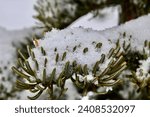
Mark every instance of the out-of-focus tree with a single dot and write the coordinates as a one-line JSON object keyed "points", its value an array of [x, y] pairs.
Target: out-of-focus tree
{"points": [[60, 14]]}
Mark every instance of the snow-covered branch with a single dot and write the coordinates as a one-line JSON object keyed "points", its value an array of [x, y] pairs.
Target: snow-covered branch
{"points": [[92, 60]]}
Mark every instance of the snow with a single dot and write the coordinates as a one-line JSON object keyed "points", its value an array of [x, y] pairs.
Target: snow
{"points": [[143, 72], [8, 53], [136, 31], [14, 15], [107, 18], [81, 38], [65, 41], [87, 97], [110, 21]]}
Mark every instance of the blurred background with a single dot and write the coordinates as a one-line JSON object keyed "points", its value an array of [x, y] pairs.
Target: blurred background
{"points": [[17, 14]]}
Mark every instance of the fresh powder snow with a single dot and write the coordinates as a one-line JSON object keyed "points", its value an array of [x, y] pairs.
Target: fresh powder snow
{"points": [[79, 45]]}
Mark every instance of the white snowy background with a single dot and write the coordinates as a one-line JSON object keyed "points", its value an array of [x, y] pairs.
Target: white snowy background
{"points": [[16, 20], [15, 24]]}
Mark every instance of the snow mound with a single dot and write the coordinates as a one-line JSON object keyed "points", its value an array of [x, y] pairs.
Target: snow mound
{"points": [[59, 49], [58, 42], [80, 45], [108, 18], [136, 32]]}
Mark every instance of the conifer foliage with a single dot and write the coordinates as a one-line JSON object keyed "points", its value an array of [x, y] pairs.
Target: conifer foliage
{"points": [[60, 14]]}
